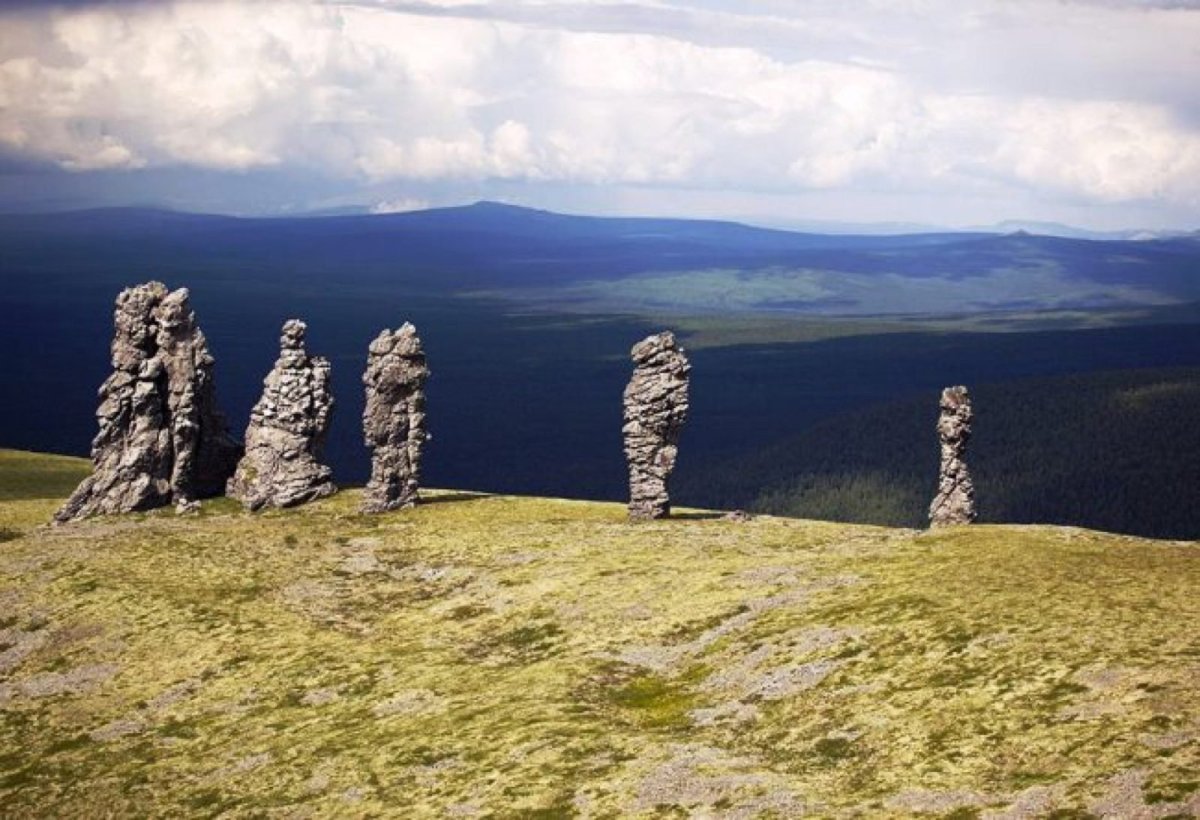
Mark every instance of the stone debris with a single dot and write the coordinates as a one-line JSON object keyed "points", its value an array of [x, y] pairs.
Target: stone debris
{"points": [[1170, 740], [464, 810], [702, 780], [785, 681], [1035, 801], [162, 438], [318, 782], [394, 419], [734, 713], [142, 719], [955, 499], [284, 441], [239, 767], [320, 697], [17, 646], [1126, 799], [661, 658], [75, 681], [749, 677], [122, 727], [362, 563], [656, 407], [927, 801], [354, 794], [410, 702]]}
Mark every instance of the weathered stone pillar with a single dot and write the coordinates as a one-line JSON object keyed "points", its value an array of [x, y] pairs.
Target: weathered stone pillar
{"points": [[162, 437], [656, 407], [286, 436], [955, 499], [205, 452], [394, 419]]}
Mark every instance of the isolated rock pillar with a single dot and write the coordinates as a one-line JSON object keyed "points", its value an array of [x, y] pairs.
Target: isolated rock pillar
{"points": [[162, 437], [955, 499], [286, 435], [394, 418], [656, 407]]}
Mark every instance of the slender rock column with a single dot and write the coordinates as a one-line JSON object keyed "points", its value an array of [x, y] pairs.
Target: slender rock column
{"points": [[162, 438], [286, 436], [656, 408], [205, 452], [955, 499], [394, 419]]}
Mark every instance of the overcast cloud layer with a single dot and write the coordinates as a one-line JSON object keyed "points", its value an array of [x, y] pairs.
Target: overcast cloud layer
{"points": [[919, 110]]}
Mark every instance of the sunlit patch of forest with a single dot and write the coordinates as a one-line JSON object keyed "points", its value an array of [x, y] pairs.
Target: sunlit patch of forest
{"points": [[1116, 450]]}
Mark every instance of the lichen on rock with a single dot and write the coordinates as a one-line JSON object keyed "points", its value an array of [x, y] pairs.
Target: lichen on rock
{"points": [[286, 435]]}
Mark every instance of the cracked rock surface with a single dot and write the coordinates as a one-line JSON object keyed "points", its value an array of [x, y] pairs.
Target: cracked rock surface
{"points": [[955, 499], [656, 408], [286, 435], [162, 437], [394, 419]]}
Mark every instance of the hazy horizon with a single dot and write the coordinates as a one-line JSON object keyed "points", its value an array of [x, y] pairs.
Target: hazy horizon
{"points": [[814, 226]]}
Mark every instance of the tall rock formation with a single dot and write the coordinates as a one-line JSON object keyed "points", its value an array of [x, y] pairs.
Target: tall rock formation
{"points": [[162, 437], [284, 441], [656, 407], [394, 419], [955, 499]]}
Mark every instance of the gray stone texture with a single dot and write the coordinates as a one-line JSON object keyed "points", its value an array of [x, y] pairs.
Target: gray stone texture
{"points": [[286, 435], [162, 438], [955, 499], [656, 408], [394, 419]]}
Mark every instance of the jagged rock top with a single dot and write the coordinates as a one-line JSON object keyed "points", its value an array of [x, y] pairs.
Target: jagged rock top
{"points": [[954, 424], [955, 499], [286, 435], [661, 349], [403, 342], [162, 437], [394, 418], [655, 409]]}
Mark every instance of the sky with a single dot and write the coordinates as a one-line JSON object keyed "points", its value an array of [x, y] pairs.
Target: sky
{"points": [[933, 112]]}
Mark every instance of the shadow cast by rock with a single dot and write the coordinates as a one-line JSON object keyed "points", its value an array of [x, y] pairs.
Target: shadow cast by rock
{"points": [[447, 498]]}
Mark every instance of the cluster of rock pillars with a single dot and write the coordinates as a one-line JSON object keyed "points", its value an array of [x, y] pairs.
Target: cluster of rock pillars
{"points": [[163, 440]]}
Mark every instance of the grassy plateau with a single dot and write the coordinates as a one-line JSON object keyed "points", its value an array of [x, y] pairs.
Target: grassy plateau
{"points": [[494, 656]]}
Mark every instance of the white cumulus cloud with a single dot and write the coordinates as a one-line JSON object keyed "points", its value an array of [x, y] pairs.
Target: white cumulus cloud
{"points": [[399, 206], [1081, 101]]}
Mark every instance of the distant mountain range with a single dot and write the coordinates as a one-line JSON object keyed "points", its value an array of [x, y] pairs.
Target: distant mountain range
{"points": [[1071, 232], [646, 265], [1040, 228]]}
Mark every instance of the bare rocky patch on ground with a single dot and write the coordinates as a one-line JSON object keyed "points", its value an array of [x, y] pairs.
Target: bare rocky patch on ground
{"points": [[704, 780], [75, 681]]}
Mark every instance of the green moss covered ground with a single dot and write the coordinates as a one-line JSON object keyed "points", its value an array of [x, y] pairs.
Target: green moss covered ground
{"points": [[520, 657]]}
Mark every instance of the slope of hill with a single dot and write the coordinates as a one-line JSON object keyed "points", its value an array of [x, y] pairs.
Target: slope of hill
{"points": [[637, 264], [1116, 450], [500, 656]]}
